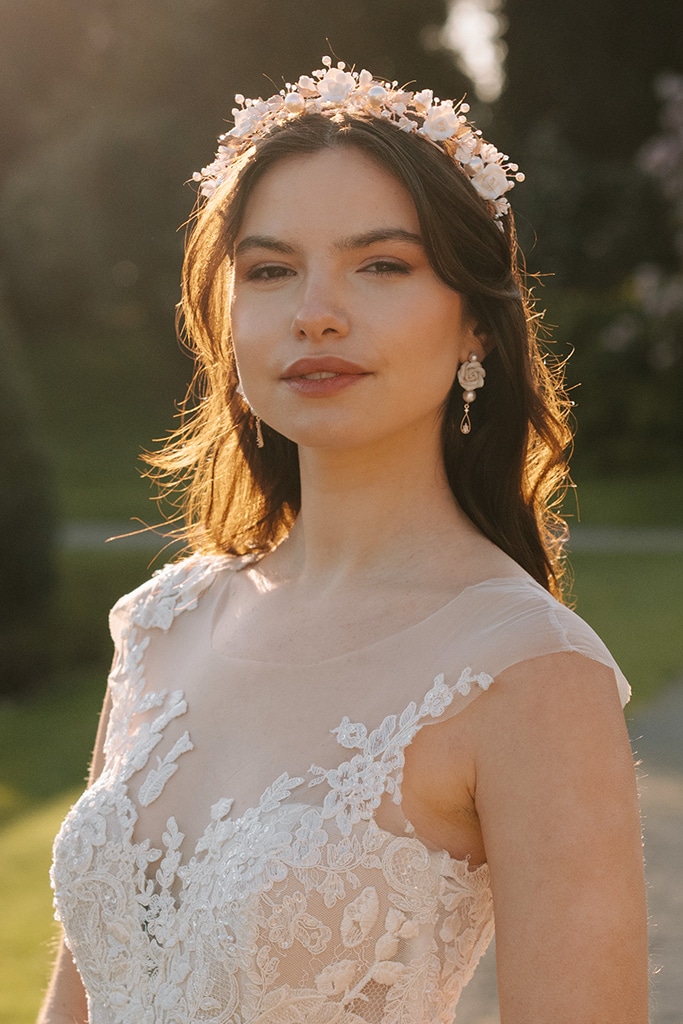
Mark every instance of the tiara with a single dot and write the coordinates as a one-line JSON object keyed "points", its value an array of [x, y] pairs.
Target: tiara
{"points": [[334, 90]]}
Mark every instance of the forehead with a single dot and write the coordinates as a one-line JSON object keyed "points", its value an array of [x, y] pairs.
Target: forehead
{"points": [[337, 191]]}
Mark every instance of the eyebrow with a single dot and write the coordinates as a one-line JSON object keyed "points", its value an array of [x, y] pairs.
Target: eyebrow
{"points": [[378, 235], [347, 244], [264, 242]]}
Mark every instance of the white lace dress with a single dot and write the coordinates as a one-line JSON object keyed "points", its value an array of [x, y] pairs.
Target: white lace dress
{"points": [[291, 890]]}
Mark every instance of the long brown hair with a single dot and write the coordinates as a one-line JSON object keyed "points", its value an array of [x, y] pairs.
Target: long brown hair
{"points": [[506, 474]]}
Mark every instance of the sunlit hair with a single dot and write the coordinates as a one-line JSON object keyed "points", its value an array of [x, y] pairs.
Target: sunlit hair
{"points": [[506, 474]]}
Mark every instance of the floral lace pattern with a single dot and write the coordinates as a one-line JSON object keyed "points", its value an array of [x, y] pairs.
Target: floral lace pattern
{"points": [[288, 914], [357, 786]]}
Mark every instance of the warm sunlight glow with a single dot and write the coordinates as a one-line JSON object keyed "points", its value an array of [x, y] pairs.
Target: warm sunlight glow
{"points": [[473, 32]]}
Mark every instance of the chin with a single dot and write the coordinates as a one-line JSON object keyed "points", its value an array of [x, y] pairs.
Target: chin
{"points": [[327, 432]]}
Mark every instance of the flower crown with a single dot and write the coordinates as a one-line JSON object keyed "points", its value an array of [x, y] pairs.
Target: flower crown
{"points": [[334, 90]]}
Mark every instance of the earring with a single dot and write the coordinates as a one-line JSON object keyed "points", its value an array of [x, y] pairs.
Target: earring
{"points": [[259, 432], [470, 376]]}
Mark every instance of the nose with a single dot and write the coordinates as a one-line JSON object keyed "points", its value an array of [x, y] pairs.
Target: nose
{"points": [[319, 315]]}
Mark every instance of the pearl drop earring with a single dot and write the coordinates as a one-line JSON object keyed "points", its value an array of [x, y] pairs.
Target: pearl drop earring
{"points": [[470, 376]]}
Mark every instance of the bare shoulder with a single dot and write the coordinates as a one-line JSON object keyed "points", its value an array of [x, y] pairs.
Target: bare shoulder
{"points": [[549, 730], [562, 689], [556, 797]]}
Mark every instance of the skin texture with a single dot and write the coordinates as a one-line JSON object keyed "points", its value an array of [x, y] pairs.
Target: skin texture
{"points": [[352, 280], [536, 775]]}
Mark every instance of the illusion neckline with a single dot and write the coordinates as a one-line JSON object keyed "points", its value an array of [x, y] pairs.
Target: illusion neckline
{"points": [[374, 645]]}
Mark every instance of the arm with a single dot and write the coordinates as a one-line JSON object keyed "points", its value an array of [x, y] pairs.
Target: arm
{"points": [[557, 801], [65, 1001]]}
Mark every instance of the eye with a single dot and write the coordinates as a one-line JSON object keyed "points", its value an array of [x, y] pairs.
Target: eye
{"points": [[268, 272], [383, 268]]}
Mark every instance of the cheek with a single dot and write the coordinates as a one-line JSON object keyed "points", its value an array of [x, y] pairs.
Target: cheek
{"points": [[243, 321], [433, 343], [250, 332]]}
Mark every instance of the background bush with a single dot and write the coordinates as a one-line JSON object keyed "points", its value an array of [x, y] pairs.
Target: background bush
{"points": [[27, 528]]}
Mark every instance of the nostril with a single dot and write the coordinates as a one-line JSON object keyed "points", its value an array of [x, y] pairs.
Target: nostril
{"points": [[324, 325]]}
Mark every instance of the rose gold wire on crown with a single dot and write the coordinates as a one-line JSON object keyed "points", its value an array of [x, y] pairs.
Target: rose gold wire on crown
{"points": [[331, 90]]}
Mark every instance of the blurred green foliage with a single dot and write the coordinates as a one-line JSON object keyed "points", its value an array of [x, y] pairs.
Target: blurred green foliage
{"points": [[593, 111], [109, 107], [27, 527], [627, 391], [106, 110]]}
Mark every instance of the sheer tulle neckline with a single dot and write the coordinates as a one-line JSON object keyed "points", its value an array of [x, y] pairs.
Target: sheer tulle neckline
{"points": [[373, 646]]}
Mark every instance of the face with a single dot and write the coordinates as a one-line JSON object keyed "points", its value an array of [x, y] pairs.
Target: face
{"points": [[343, 333]]}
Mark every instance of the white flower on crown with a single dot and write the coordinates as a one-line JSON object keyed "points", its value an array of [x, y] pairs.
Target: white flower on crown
{"points": [[336, 85], [332, 90], [422, 101], [245, 122], [440, 123], [488, 153], [466, 147], [405, 124], [491, 181], [307, 85]]}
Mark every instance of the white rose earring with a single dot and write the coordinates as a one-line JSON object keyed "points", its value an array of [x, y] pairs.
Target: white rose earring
{"points": [[470, 376], [259, 432]]}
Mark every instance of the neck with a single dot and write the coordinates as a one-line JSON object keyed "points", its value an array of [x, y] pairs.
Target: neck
{"points": [[373, 512]]}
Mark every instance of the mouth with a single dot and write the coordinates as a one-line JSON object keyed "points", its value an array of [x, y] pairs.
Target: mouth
{"points": [[323, 376], [322, 368], [320, 375]]}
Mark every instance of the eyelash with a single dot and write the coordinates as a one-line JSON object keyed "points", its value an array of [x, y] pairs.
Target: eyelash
{"points": [[275, 272], [390, 267], [267, 272]]}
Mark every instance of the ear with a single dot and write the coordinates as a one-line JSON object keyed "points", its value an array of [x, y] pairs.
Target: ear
{"points": [[475, 341]]}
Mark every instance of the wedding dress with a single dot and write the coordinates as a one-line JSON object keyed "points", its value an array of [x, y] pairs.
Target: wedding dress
{"points": [[271, 877]]}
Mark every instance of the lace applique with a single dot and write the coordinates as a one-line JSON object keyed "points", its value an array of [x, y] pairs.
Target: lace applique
{"points": [[357, 786], [173, 589], [290, 913], [159, 776]]}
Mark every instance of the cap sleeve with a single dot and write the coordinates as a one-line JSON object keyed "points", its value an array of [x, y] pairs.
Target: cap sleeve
{"points": [[504, 622], [134, 618], [171, 590]]}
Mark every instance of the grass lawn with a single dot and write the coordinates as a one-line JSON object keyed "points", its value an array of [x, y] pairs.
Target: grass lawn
{"points": [[628, 500], [635, 602], [27, 928]]}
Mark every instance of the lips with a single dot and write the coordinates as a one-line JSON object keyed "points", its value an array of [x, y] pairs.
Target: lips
{"points": [[323, 376], [322, 366]]}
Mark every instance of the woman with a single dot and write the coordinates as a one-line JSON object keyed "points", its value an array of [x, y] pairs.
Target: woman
{"points": [[355, 724]]}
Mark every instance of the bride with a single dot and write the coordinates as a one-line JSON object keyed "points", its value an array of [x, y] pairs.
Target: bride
{"points": [[357, 724]]}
